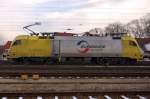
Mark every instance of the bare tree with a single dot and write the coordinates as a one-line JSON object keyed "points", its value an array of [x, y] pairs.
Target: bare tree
{"points": [[115, 28], [140, 26], [147, 26], [136, 27]]}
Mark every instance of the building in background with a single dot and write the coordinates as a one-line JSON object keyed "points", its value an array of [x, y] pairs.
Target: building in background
{"points": [[3, 50], [6, 47]]}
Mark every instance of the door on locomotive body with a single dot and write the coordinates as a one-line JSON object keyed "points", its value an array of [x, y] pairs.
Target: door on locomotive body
{"points": [[56, 48]]}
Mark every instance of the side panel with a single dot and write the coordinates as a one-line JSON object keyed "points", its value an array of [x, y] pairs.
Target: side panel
{"points": [[89, 47], [39, 48]]}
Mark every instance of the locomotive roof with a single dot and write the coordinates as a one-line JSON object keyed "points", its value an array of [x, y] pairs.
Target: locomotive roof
{"points": [[82, 37]]}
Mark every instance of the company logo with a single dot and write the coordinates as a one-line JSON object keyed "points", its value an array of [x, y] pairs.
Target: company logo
{"points": [[83, 46]]}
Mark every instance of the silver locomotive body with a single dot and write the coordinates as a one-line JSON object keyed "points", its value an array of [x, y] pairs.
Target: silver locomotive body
{"points": [[85, 46]]}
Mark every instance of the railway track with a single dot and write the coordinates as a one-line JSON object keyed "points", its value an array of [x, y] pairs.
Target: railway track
{"points": [[77, 71], [125, 95], [75, 82], [75, 88], [140, 63]]}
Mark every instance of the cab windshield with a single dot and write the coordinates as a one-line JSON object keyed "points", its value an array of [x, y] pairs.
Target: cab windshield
{"points": [[17, 42], [132, 43]]}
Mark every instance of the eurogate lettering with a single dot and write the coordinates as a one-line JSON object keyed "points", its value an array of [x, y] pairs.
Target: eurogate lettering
{"points": [[84, 47]]}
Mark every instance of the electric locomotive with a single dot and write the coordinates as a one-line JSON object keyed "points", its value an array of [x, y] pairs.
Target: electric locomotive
{"points": [[63, 47], [59, 49]]}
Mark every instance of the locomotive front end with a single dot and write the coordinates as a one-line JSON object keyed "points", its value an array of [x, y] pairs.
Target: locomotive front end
{"points": [[30, 48], [131, 48]]}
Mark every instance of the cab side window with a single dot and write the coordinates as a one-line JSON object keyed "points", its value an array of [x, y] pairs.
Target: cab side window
{"points": [[132, 43], [17, 42]]}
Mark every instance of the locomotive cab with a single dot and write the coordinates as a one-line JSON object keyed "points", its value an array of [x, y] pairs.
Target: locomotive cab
{"points": [[16, 47], [131, 48], [30, 48]]}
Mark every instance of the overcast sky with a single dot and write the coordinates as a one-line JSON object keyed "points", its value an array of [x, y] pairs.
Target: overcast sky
{"points": [[58, 15]]}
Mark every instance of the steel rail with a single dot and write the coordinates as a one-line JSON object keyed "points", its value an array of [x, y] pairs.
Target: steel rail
{"points": [[80, 88], [140, 63], [66, 70]]}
